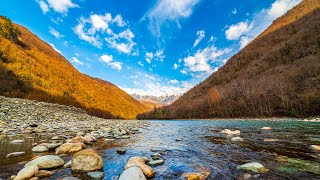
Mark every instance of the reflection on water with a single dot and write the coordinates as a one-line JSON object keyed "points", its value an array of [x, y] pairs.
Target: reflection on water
{"points": [[203, 149]]}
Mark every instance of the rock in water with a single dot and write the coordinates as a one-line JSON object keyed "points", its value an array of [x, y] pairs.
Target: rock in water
{"points": [[67, 165], [26, 173], [39, 148], [194, 176], [266, 128], [315, 147], [121, 151], [156, 162], [17, 141], [133, 173], [43, 173], [96, 175], [236, 139], [86, 160], [69, 148], [15, 154], [70, 178], [140, 162], [254, 167], [230, 132], [46, 162]]}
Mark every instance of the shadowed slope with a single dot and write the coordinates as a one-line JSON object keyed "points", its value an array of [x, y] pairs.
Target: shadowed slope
{"points": [[277, 74]]}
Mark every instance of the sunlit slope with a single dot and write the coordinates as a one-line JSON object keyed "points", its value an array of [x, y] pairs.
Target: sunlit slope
{"points": [[30, 68], [277, 74]]}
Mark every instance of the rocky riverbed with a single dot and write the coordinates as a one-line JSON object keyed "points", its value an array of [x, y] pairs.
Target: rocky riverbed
{"points": [[48, 141]]}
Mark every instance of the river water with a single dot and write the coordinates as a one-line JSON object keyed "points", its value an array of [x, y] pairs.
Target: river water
{"points": [[202, 148]]}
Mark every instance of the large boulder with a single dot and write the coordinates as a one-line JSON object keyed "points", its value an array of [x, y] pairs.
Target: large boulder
{"points": [[141, 163], [133, 173], [46, 162], [86, 160], [26, 173], [69, 148]]}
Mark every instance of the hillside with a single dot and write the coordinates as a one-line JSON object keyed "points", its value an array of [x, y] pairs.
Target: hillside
{"points": [[32, 69], [277, 74]]}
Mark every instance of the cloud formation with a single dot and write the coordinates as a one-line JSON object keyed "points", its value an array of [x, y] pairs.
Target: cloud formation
{"points": [[60, 6], [201, 35], [108, 59]]}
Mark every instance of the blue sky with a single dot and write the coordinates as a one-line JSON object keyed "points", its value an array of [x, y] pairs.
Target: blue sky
{"points": [[148, 46]]}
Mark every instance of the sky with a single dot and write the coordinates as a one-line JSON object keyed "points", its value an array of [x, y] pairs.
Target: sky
{"points": [[148, 47]]}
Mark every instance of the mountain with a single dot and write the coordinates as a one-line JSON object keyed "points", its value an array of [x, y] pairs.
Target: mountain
{"points": [[163, 100], [32, 69], [277, 74]]}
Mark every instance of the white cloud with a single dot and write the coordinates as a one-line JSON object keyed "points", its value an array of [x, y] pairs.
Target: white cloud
{"points": [[244, 41], [167, 11], [76, 61], [235, 31], [201, 35], [212, 39], [44, 6], [245, 31], [200, 61], [92, 28], [234, 11], [140, 63], [52, 45], [174, 81], [108, 59], [158, 56], [61, 6], [175, 66], [55, 33]]}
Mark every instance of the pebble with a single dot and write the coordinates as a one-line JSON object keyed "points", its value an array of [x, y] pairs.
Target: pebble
{"points": [[15, 154], [96, 175], [67, 165], [39, 148], [156, 162], [43, 173], [17, 141], [315, 147], [266, 128], [121, 151], [236, 139], [254, 167], [230, 132]]}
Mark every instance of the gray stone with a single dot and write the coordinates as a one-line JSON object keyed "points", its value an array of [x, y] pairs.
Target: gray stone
{"points": [[15, 154], [46, 162], [95, 175], [156, 162], [132, 173]]}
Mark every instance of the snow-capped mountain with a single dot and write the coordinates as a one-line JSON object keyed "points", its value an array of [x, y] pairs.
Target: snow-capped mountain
{"points": [[163, 100]]}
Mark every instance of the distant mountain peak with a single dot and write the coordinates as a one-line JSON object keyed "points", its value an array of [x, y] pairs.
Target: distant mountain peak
{"points": [[165, 100]]}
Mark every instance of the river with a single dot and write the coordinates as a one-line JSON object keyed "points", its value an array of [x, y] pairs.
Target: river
{"points": [[198, 146]]}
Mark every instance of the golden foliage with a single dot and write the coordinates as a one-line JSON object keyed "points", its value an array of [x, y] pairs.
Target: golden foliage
{"points": [[35, 71]]}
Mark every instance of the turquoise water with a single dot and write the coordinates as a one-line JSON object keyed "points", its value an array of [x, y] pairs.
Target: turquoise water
{"points": [[204, 149]]}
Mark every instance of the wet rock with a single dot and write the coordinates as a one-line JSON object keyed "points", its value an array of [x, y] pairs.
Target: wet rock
{"points": [[77, 139], [121, 151], [39, 148], [194, 176], [43, 173], [178, 139], [51, 146], [270, 140], [17, 141], [156, 156], [230, 132], [96, 175], [34, 178], [315, 147], [156, 162], [69, 148], [254, 167], [158, 150], [140, 162], [67, 165], [70, 178], [236, 139], [132, 173], [26, 173], [15, 154], [46, 162], [86, 160], [266, 128]]}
